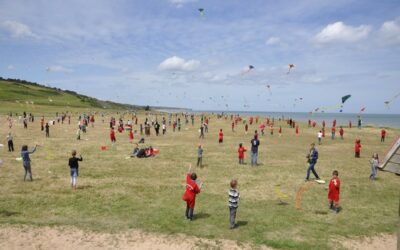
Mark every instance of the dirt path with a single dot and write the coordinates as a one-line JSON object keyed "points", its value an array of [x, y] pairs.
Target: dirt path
{"points": [[28, 237], [25, 237]]}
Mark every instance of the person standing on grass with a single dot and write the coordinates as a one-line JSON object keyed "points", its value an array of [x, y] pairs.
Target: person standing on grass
{"points": [[233, 203], [201, 131], [241, 151], [280, 131], [112, 136], [47, 128], [199, 156], [74, 166], [374, 166], [10, 142], [334, 191], [333, 132], [357, 148], [341, 132], [164, 128], [220, 136], [254, 150], [192, 189], [312, 159], [383, 135], [130, 136], [319, 137], [26, 161]]}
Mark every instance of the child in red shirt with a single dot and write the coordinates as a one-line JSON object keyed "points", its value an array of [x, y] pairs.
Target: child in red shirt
{"points": [[334, 191], [130, 136], [112, 135], [192, 189], [383, 135], [357, 148], [241, 151], [220, 136], [341, 132]]}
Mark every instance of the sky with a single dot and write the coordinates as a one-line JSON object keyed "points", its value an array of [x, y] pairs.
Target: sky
{"points": [[168, 53]]}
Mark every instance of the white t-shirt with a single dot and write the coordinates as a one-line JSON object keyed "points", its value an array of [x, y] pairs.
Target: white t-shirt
{"points": [[319, 135]]}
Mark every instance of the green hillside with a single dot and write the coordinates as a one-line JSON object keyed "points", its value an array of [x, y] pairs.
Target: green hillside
{"points": [[17, 94]]}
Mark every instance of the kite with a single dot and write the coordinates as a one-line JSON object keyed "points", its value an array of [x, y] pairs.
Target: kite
{"points": [[344, 98], [201, 11], [249, 68], [387, 103], [362, 110], [290, 67], [269, 89]]}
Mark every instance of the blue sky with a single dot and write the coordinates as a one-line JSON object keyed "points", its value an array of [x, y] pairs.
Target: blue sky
{"points": [[165, 53]]}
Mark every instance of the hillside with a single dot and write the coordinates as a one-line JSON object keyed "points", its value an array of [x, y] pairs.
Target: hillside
{"points": [[20, 93]]}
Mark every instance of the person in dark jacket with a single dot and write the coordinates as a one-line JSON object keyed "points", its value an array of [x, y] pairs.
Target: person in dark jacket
{"points": [[74, 166], [312, 160]]}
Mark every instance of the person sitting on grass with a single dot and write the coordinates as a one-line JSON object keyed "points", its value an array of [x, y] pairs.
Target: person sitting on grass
{"points": [[26, 160], [334, 191], [74, 166], [192, 189]]}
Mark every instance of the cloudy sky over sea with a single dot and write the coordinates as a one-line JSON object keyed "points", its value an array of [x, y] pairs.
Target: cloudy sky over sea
{"points": [[229, 55]]}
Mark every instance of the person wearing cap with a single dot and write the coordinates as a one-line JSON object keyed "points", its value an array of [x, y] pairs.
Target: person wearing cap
{"points": [[312, 160]]}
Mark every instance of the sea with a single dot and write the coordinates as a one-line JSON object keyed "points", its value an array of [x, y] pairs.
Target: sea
{"points": [[342, 119]]}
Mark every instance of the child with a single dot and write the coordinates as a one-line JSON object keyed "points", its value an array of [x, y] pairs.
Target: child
{"points": [[374, 166], [26, 161], [319, 137], [199, 156], [341, 132], [47, 130], [333, 131], [10, 143], [112, 136], [241, 151], [233, 201], [220, 136], [357, 148], [130, 136], [74, 166], [192, 189], [280, 131], [78, 134], [383, 135], [334, 191]]}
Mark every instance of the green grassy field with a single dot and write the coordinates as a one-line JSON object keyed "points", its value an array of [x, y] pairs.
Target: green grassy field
{"points": [[116, 194]]}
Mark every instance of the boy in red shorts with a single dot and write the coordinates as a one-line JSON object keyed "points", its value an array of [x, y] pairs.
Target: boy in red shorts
{"points": [[334, 191]]}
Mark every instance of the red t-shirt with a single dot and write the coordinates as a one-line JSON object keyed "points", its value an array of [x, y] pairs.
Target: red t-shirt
{"points": [[357, 148], [241, 151], [334, 189], [220, 135], [191, 190]]}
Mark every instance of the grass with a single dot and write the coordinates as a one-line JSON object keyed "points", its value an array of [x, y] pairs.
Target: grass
{"points": [[117, 194]]}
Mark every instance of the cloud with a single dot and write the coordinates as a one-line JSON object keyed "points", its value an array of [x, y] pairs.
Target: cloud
{"points": [[273, 40], [10, 67], [390, 31], [180, 3], [59, 69], [180, 64], [340, 32], [17, 30]]}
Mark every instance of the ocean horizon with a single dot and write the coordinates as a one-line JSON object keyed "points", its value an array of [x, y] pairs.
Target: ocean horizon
{"points": [[342, 119]]}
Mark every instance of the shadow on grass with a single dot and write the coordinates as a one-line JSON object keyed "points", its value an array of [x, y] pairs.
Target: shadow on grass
{"points": [[201, 215], [84, 187], [242, 223], [6, 213]]}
